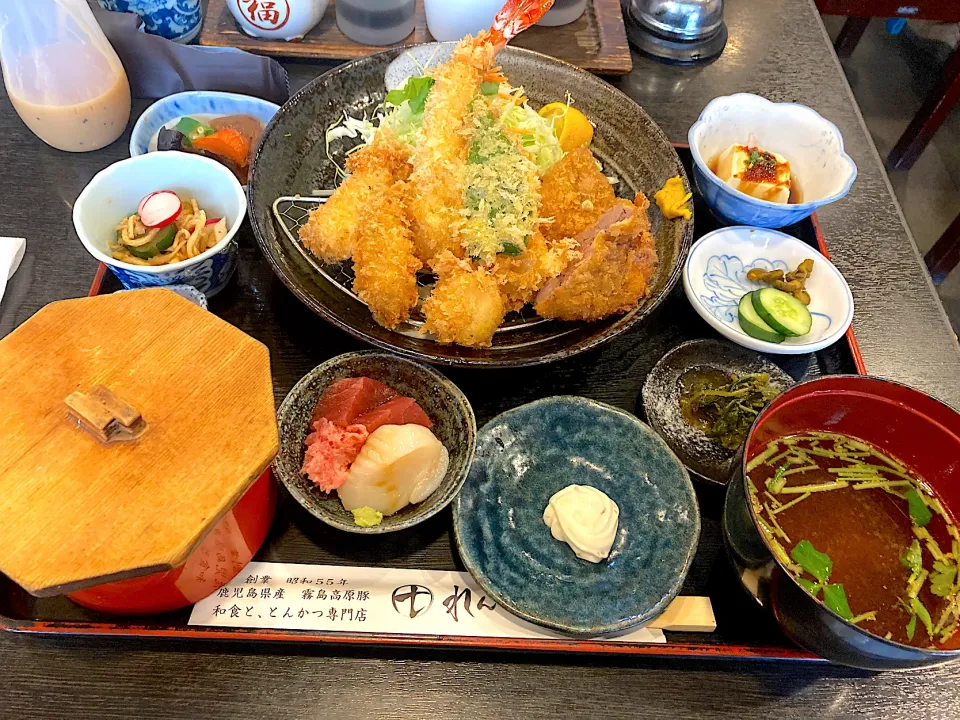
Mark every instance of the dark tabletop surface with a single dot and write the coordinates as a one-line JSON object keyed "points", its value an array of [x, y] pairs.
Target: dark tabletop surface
{"points": [[777, 49]]}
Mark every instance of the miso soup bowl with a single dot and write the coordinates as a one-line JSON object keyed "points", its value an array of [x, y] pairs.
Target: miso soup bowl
{"points": [[910, 426], [811, 143]]}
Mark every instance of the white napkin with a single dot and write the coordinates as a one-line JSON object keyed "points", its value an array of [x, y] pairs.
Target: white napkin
{"points": [[11, 253]]}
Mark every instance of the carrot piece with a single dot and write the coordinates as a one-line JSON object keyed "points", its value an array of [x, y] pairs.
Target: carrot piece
{"points": [[227, 143]]}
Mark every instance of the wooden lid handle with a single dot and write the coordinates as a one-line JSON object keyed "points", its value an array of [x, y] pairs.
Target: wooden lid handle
{"points": [[105, 416]]}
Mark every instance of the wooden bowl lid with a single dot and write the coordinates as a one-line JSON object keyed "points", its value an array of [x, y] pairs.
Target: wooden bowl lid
{"points": [[75, 512]]}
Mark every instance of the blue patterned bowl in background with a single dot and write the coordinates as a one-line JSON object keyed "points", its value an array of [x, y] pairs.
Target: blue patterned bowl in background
{"points": [[115, 192], [527, 454], [811, 143], [200, 104], [177, 20], [715, 278]]}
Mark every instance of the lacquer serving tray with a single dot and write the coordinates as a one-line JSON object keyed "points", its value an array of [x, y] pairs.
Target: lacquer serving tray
{"points": [[258, 303], [597, 41]]}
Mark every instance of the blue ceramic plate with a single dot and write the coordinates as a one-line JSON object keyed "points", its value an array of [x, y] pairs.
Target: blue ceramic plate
{"points": [[202, 104], [526, 455]]}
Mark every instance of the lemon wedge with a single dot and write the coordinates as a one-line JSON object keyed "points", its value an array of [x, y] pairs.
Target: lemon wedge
{"points": [[571, 126]]}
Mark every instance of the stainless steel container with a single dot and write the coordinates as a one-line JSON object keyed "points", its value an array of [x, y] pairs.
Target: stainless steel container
{"points": [[681, 31]]}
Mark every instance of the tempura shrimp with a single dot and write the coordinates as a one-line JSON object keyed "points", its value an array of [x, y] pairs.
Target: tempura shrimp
{"points": [[444, 140]]}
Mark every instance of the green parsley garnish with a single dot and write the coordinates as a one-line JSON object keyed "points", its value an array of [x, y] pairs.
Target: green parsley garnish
{"points": [[913, 557], [810, 586], [415, 91], [835, 598], [941, 579], [919, 512], [921, 612], [812, 560]]}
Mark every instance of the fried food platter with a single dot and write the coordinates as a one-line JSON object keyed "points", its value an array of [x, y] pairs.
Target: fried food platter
{"points": [[292, 161]]}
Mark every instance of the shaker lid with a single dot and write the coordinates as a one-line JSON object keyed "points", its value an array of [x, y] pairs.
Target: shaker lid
{"points": [[131, 424]]}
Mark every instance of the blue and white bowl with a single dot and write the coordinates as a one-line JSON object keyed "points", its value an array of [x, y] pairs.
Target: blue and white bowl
{"points": [[812, 144], [715, 278], [199, 104], [115, 192]]}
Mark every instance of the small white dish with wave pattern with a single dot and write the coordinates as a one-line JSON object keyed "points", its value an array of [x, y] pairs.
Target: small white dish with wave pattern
{"points": [[715, 278]]}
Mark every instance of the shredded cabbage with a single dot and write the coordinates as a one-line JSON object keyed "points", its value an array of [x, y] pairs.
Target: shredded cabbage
{"points": [[537, 135]]}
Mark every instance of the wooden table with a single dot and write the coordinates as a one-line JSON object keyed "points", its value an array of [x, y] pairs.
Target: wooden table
{"points": [[778, 49]]}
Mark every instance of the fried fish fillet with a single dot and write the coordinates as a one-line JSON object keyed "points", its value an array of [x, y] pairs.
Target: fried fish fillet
{"points": [[619, 258], [465, 307], [384, 266], [442, 144], [574, 193], [330, 231]]}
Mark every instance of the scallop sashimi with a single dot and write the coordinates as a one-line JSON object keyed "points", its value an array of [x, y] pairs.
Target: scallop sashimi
{"points": [[398, 465]]}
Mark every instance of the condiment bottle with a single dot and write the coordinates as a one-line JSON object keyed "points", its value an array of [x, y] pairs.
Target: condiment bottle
{"points": [[62, 75], [376, 22]]}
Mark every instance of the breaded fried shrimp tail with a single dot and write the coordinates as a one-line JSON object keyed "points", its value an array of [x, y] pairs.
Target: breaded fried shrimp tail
{"points": [[385, 267], [442, 146], [329, 233]]}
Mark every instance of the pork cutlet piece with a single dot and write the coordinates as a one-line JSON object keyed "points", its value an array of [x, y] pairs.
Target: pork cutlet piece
{"points": [[574, 193], [618, 259]]}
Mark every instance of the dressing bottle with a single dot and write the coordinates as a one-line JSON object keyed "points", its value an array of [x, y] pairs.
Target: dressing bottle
{"points": [[62, 75]]}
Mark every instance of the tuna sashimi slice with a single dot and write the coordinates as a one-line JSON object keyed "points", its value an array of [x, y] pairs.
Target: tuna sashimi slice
{"points": [[397, 411], [330, 451], [346, 399]]}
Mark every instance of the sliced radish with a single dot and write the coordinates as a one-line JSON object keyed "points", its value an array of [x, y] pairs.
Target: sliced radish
{"points": [[145, 198], [159, 209], [212, 221]]}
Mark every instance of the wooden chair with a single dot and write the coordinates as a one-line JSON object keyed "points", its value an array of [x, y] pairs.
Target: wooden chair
{"points": [[945, 254]]}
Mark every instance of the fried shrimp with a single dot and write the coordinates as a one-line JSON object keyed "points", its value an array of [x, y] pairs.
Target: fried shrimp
{"points": [[330, 232], [465, 307], [574, 194], [385, 268], [442, 144]]}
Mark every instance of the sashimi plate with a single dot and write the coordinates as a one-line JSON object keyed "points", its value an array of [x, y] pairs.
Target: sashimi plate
{"points": [[453, 424], [292, 160]]}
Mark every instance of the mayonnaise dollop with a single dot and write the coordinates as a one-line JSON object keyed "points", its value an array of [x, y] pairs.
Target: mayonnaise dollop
{"points": [[585, 518]]}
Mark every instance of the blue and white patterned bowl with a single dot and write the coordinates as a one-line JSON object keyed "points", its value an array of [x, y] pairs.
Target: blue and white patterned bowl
{"points": [[177, 20], [715, 278], [115, 192], [203, 103], [811, 143]]}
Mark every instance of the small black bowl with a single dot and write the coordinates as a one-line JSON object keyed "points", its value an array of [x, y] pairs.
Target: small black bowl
{"points": [[453, 424], [703, 456]]}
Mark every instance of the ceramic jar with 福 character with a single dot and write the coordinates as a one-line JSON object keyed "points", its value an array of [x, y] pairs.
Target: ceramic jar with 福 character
{"points": [[277, 19]]}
